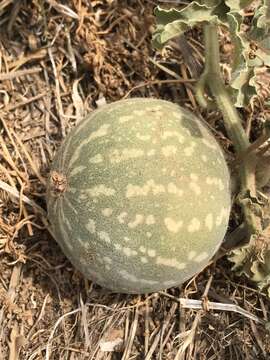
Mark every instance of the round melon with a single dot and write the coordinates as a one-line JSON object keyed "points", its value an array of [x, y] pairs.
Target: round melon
{"points": [[139, 195]]}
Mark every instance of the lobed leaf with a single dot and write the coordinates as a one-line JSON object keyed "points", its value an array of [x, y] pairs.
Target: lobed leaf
{"points": [[173, 22], [251, 49]]}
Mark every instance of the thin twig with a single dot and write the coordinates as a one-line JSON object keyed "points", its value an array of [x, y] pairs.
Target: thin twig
{"points": [[189, 339], [158, 82], [132, 334], [199, 305], [13, 15], [25, 102], [11, 294], [14, 192], [58, 322], [19, 73]]}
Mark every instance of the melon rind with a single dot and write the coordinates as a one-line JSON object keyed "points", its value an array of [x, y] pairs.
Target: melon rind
{"points": [[147, 200]]}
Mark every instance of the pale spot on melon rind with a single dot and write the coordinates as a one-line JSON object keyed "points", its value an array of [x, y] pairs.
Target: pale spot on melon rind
{"points": [[138, 220], [139, 112], [224, 214], [204, 158], [151, 252], [177, 114], [209, 221], [121, 217], [76, 171], [169, 134], [201, 257], [144, 190], [100, 132], [127, 251], [107, 212], [130, 277], [169, 150], [143, 137], [195, 188], [91, 226], [103, 235], [194, 177], [173, 189], [143, 259], [97, 159], [117, 246], [151, 152], [173, 225], [189, 150], [117, 156], [124, 118], [142, 249], [215, 181], [192, 254], [194, 225], [170, 262], [150, 220], [100, 190], [221, 185]]}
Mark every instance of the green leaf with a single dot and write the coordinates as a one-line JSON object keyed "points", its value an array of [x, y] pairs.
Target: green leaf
{"points": [[173, 22], [251, 50], [242, 73], [260, 34]]}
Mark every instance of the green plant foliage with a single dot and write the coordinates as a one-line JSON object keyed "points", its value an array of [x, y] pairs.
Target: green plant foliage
{"points": [[173, 22], [253, 260], [251, 49]]}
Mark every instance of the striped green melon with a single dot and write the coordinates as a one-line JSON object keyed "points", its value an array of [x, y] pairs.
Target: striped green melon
{"points": [[138, 196]]}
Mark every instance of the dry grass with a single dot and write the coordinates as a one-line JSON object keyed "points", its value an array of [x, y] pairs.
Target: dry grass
{"points": [[58, 62]]}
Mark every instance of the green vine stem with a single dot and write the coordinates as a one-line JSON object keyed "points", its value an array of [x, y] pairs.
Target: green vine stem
{"points": [[212, 79]]}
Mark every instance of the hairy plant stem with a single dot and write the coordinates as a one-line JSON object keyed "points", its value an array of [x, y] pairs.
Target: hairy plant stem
{"points": [[212, 79]]}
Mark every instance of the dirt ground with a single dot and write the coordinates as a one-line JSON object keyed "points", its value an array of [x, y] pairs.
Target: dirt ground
{"points": [[59, 61]]}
